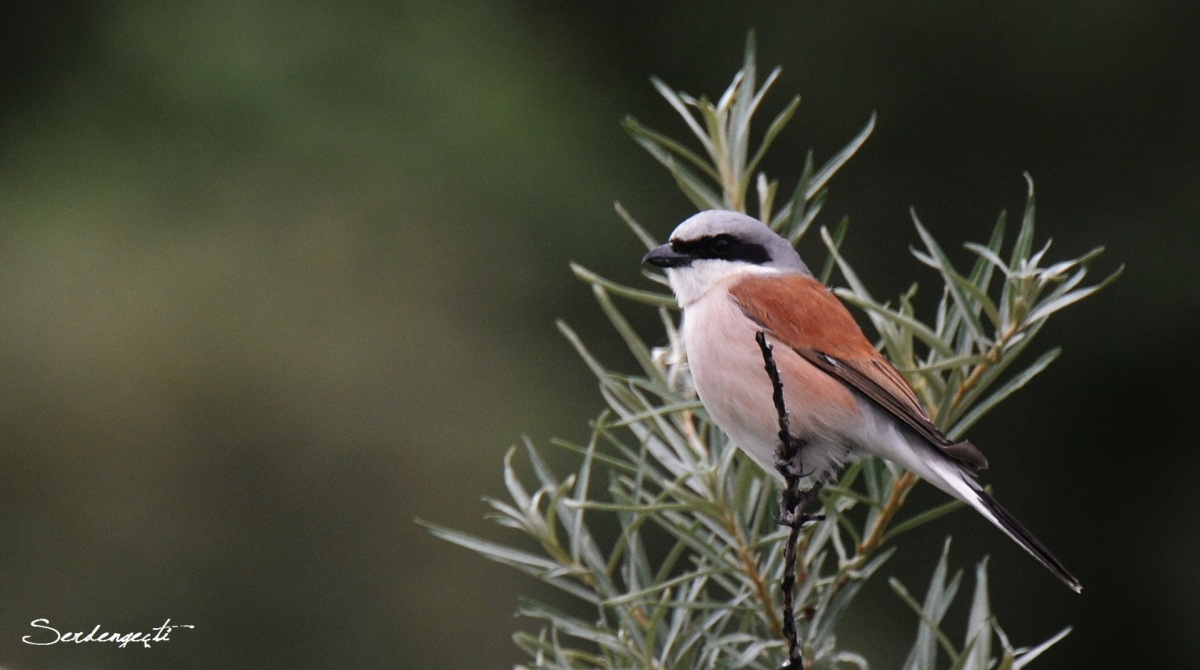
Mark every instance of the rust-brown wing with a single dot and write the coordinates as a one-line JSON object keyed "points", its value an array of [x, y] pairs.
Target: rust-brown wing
{"points": [[805, 315]]}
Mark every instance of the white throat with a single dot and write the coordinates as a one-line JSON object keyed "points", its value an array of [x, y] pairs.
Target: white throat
{"points": [[691, 283]]}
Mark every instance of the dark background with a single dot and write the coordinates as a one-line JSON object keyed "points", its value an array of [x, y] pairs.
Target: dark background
{"points": [[276, 279]]}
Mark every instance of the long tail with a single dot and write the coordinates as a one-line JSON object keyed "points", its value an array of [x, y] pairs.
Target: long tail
{"points": [[1013, 528], [950, 477]]}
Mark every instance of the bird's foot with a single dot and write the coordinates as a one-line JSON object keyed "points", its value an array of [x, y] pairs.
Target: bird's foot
{"points": [[793, 506]]}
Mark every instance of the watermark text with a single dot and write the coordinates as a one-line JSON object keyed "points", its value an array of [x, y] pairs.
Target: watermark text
{"points": [[47, 635]]}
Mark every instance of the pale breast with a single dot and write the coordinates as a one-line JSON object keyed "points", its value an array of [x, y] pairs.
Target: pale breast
{"points": [[730, 376]]}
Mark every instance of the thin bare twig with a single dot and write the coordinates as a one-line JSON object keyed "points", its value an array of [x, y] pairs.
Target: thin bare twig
{"points": [[793, 503]]}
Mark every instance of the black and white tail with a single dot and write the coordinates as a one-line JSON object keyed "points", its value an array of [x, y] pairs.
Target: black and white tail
{"points": [[1013, 528], [951, 478]]}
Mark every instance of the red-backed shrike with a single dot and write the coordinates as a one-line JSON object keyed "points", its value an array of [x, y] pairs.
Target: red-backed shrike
{"points": [[734, 278]]}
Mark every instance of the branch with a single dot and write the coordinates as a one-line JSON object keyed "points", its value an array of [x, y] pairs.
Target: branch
{"points": [[792, 502]]}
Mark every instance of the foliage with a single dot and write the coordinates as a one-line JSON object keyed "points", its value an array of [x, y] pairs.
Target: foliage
{"points": [[667, 537]]}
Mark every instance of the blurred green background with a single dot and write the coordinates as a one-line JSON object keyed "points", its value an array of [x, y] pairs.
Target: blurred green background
{"points": [[276, 279]]}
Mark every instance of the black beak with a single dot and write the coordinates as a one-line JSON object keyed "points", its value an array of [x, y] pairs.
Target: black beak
{"points": [[666, 257]]}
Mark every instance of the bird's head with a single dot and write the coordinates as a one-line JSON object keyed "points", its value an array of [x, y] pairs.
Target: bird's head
{"points": [[715, 244]]}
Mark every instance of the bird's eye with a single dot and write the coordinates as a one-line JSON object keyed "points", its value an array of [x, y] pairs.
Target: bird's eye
{"points": [[721, 245]]}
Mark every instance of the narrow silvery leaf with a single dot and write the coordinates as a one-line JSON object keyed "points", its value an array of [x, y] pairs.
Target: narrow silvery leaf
{"points": [[938, 260], [805, 222], [594, 365], [492, 550], [839, 159], [515, 489], [981, 274], [647, 239], [580, 537], [1020, 380], [633, 341], [792, 222], [701, 194], [662, 146], [937, 600], [1023, 247], [766, 196], [840, 603], [1026, 657], [922, 518], [924, 333], [773, 130], [1045, 309], [979, 623], [966, 397], [832, 243], [677, 103]]}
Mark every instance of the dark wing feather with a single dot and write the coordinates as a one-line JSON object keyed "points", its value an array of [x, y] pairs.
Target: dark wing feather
{"points": [[806, 316]]}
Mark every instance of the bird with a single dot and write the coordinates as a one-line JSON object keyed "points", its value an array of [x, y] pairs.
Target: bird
{"points": [[734, 278]]}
